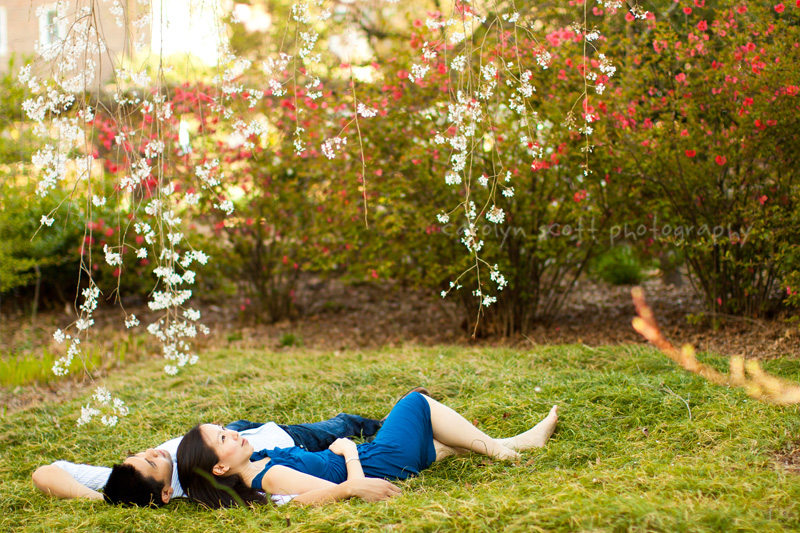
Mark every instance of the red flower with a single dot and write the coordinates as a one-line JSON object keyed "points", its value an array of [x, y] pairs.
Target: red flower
{"points": [[702, 25], [374, 274], [742, 9], [680, 78], [779, 8], [690, 153], [721, 160], [763, 200], [700, 3], [629, 17], [687, 10]]}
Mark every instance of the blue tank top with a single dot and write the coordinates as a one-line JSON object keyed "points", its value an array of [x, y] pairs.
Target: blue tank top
{"points": [[324, 465]]}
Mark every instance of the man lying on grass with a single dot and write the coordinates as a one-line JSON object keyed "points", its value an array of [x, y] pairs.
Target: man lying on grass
{"points": [[151, 477], [222, 468]]}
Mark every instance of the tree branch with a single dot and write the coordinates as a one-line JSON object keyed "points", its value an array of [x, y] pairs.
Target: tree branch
{"points": [[744, 374]]}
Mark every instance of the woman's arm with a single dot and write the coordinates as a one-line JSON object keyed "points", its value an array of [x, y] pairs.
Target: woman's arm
{"points": [[348, 450], [57, 482], [313, 490]]}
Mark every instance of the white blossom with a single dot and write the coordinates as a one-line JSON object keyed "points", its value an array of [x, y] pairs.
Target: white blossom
{"points": [[418, 72], [83, 324], [457, 37], [452, 178], [226, 206], [496, 215], [87, 413], [498, 278], [365, 111], [112, 258], [192, 314], [458, 63]]}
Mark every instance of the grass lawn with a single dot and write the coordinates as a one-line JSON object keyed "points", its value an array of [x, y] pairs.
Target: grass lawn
{"points": [[640, 446]]}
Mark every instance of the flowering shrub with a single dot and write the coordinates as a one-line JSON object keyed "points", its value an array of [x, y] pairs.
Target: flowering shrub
{"points": [[707, 131]]}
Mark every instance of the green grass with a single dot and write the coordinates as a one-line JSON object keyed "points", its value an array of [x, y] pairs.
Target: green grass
{"points": [[627, 455], [34, 363]]}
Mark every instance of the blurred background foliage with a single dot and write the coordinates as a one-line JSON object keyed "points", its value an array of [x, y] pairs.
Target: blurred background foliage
{"points": [[697, 128]]}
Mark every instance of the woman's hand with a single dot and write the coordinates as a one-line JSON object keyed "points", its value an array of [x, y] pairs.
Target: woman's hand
{"points": [[371, 490], [344, 447]]}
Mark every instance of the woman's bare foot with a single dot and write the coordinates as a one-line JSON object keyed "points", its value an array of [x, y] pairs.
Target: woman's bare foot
{"points": [[537, 436]]}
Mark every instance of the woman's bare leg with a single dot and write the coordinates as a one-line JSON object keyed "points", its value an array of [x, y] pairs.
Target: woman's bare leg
{"points": [[455, 435], [454, 431], [444, 451], [537, 436]]}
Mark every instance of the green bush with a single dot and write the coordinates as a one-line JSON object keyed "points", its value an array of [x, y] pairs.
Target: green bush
{"points": [[618, 266], [26, 254]]}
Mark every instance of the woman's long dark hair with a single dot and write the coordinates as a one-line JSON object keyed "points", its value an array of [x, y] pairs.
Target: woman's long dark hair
{"points": [[196, 460]]}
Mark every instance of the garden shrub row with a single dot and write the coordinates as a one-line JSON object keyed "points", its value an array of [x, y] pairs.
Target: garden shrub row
{"points": [[693, 155]]}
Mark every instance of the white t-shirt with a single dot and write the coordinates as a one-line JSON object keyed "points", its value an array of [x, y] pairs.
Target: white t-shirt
{"points": [[265, 437]]}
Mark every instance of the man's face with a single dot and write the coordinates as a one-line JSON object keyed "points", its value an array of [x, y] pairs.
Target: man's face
{"points": [[156, 464]]}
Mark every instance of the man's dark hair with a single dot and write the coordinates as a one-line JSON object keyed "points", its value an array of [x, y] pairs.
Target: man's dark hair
{"points": [[128, 486]]}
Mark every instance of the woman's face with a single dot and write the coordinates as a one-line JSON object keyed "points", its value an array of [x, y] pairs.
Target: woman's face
{"points": [[233, 450]]}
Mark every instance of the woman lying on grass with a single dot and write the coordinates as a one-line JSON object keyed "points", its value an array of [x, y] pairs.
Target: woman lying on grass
{"points": [[417, 432]]}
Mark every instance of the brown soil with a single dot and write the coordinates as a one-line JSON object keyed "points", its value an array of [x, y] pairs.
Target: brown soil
{"points": [[790, 459]]}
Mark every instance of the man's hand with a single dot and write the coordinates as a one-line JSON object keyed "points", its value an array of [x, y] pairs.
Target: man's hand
{"points": [[371, 489], [344, 447]]}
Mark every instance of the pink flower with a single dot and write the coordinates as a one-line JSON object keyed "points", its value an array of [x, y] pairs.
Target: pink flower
{"points": [[763, 200], [702, 25], [680, 78], [742, 9], [721, 160], [690, 153], [629, 17], [687, 10], [779, 8]]}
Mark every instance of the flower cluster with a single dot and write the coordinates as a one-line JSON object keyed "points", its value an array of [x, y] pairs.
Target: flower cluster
{"points": [[108, 408]]}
